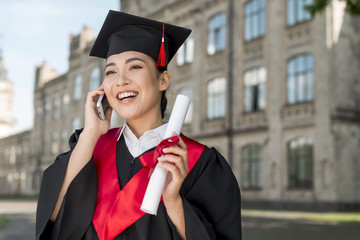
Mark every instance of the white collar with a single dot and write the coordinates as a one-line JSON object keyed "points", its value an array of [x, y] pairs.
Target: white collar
{"points": [[159, 130], [148, 140]]}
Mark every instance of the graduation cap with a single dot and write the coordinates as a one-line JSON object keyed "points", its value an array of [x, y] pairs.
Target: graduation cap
{"points": [[123, 32]]}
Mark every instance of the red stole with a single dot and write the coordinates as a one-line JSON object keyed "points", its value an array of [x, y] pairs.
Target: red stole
{"points": [[117, 209]]}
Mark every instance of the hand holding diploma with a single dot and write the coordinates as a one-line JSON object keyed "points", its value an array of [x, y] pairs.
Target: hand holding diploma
{"points": [[176, 164]]}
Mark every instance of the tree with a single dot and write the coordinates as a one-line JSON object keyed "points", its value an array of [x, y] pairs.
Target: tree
{"points": [[352, 6]]}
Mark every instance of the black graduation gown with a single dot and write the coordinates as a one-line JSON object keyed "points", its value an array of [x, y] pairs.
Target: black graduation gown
{"points": [[210, 193]]}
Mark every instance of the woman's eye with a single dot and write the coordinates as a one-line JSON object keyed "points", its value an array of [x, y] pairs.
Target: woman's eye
{"points": [[107, 73], [135, 67]]}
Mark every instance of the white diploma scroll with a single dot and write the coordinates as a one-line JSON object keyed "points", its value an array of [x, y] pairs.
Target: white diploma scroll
{"points": [[155, 187]]}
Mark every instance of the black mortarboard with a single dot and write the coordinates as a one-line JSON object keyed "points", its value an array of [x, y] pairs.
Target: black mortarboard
{"points": [[124, 32]]}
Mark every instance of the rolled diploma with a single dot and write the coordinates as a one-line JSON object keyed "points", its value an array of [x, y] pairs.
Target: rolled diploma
{"points": [[155, 187]]}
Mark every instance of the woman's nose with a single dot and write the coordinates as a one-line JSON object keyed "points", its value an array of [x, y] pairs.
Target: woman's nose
{"points": [[122, 80]]}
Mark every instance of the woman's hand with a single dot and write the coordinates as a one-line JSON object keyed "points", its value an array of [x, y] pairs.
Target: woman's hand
{"points": [[93, 125], [175, 161]]}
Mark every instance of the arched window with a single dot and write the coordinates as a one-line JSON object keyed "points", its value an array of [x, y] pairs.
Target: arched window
{"points": [[300, 79], [185, 54], [300, 159], [251, 166], [254, 22], [95, 78], [296, 12], [187, 92], [216, 101], [77, 87], [254, 89], [216, 34]]}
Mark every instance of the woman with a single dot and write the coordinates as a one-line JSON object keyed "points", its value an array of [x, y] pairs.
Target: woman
{"points": [[94, 190]]}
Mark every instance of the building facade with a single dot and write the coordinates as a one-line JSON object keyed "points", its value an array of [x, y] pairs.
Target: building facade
{"points": [[274, 89]]}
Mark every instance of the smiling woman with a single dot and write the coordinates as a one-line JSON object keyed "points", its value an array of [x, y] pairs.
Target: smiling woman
{"points": [[95, 190]]}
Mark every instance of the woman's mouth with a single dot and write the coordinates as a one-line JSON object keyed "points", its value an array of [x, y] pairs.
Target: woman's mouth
{"points": [[126, 95]]}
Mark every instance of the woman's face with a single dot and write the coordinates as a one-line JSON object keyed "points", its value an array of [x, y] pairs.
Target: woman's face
{"points": [[133, 86]]}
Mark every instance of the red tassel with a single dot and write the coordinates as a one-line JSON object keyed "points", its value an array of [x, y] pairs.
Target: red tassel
{"points": [[161, 61]]}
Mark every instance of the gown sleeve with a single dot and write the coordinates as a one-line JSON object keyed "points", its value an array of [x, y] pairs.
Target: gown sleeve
{"points": [[211, 199], [78, 205]]}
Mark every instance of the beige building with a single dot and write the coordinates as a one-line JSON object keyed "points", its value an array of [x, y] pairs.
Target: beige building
{"points": [[16, 168], [274, 89]]}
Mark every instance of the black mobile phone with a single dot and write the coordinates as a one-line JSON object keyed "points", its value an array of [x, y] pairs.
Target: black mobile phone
{"points": [[101, 105]]}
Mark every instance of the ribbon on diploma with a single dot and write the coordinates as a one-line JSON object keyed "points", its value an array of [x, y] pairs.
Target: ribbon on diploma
{"points": [[150, 159]]}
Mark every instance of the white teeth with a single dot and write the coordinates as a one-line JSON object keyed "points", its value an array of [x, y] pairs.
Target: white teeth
{"points": [[123, 95]]}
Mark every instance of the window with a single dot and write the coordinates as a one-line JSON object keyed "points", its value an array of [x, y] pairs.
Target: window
{"points": [[76, 123], [77, 87], [95, 78], [300, 79], [254, 89], [254, 19], [65, 103], [217, 34], [300, 155], [57, 108], [216, 98], [55, 143], [187, 92], [251, 166], [48, 110], [296, 12], [186, 52]]}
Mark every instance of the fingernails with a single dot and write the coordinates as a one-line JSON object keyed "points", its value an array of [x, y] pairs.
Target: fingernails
{"points": [[165, 150]]}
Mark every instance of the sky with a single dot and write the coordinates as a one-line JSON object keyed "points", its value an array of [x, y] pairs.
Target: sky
{"points": [[33, 31]]}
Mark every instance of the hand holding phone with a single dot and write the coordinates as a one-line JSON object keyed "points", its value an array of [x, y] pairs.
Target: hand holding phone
{"points": [[102, 105]]}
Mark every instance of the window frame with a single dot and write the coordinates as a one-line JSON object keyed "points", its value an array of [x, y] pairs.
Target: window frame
{"points": [[212, 96], [214, 46], [295, 8], [253, 160], [260, 86], [95, 83], [254, 19], [296, 160], [299, 76], [77, 92]]}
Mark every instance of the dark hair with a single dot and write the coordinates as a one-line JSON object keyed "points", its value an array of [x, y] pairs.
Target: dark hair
{"points": [[163, 102]]}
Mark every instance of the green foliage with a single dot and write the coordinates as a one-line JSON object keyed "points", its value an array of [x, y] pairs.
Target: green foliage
{"points": [[4, 222], [352, 6], [334, 217]]}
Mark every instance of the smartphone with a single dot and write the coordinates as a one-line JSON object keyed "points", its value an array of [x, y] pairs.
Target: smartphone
{"points": [[102, 104]]}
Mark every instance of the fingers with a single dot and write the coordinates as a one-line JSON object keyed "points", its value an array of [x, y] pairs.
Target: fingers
{"points": [[177, 155], [108, 113], [92, 96], [177, 161], [181, 142], [176, 175]]}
